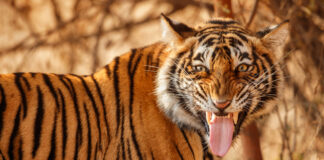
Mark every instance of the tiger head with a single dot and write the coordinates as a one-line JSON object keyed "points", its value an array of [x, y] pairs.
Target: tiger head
{"points": [[218, 77]]}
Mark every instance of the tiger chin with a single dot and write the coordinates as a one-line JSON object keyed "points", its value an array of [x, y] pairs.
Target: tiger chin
{"points": [[186, 97], [219, 77]]}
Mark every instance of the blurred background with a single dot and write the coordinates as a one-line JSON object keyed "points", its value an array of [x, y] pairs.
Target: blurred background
{"points": [[80, 36]]}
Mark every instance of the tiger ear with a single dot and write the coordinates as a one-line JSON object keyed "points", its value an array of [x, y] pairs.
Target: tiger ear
{"points": [[275, 36], [174, 32]]}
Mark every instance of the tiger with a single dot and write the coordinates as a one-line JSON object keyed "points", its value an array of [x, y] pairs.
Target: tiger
{"points": [[184, 97]]}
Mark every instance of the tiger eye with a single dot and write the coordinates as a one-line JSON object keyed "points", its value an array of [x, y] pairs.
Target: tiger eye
{"points": [[242, 68], [199, 68], [189, 68]]}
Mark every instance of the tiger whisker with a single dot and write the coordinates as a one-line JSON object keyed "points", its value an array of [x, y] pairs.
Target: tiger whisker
{"points": [[278, 63], [253, 85], [151, 66], [151, 71]]}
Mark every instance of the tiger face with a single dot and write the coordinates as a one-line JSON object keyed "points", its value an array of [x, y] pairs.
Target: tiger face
{"points": [[218, 77]]}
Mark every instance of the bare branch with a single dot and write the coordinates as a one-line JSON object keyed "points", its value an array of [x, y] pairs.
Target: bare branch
{"points": [[255, 7]]}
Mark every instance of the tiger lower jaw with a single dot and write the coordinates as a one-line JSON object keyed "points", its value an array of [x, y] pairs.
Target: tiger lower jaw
{"points": [[221, 131]]}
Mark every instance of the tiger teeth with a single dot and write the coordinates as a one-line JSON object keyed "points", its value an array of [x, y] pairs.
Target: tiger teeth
{"points": [[208, 117], [211, 117], [235, 117]]}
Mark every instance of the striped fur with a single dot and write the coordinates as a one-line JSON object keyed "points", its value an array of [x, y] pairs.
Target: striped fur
{"points": [[115, 113]]}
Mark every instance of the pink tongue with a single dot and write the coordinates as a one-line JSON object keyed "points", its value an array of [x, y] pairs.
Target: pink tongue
{"points": [[221, 133]]}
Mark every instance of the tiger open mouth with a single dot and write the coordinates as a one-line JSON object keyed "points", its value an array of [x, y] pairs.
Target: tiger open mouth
{"points": [[222, 129]]}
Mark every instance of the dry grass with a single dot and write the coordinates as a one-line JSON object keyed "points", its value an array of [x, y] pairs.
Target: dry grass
{"points": [[80, 36]]}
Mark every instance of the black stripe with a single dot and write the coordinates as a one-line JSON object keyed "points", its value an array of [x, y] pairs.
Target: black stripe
{"points": [[244, 55], [3, 106], [129, 150], [172, 84], [227, 51], [182, 103], [96, 151], [117, 93], [152, 155], [240, 97], [240, 120], [131, 73], [273, 91], [26, 82], [203, 142], [209, 42], [255, 58], [79, 138], [187, 141], [61, 77], [51, 88], [198, 94], [221, 27], [38, 121], [259, 105], [274, 75], [94, 105], [108, 70], [208, 155], [2, 156], [22, 93], [149, 61], [20, 152], [64, 125], [122, 132], [214, 32], [242, 37], [33, 74], [199, 57], [204, 92], [204, 145], [105, 153], [159, 54], [52, 154], [203, 37], [14, 134], [89, 131], [221, 39], [222, 22], [118, 151], [103, 106], [179, 153], [265, 74], [215, 53], [234, 42], [174, 67]]}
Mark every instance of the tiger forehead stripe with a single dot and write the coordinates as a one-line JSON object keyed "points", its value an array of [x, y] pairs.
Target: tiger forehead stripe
{"points": [[233, 38], [226, 24], [221, 28], [223, 22]]}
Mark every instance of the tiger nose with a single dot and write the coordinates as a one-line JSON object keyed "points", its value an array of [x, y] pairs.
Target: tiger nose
{"points": [[222, 104]]}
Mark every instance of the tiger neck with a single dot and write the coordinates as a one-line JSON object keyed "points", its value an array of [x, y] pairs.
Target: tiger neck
{"points": [[170, 100], [129, 89], [142, 75]]}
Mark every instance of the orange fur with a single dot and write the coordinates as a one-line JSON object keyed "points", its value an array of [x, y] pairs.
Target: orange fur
{"points": [[112, 114]]}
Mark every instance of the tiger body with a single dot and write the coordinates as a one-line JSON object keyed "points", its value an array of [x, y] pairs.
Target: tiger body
{"points": [[120, 112], [75, 117]]}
